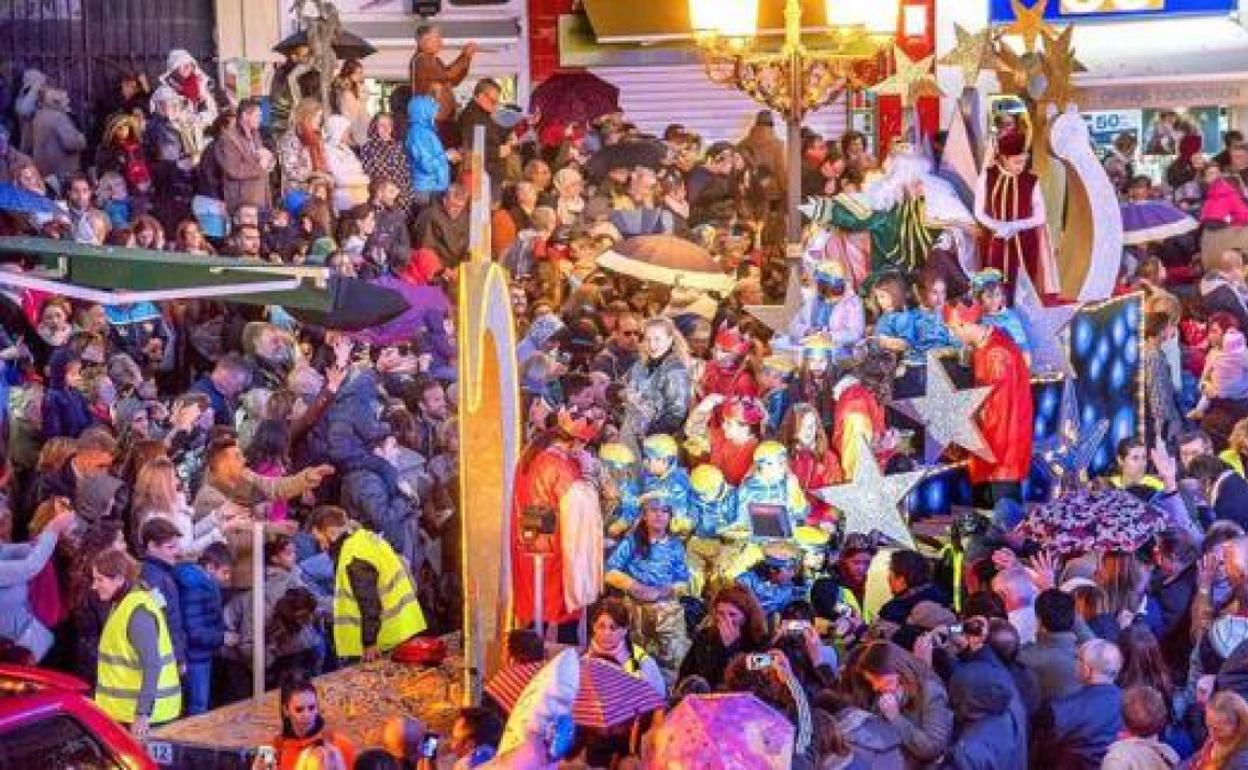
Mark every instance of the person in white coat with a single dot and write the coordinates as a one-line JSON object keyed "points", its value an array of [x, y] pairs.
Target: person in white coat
{"points": [[350, 181]]}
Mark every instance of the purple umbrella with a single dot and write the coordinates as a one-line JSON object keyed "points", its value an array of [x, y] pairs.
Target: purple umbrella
{"points": [[578, 97], [427, 309], [1154, 221]]}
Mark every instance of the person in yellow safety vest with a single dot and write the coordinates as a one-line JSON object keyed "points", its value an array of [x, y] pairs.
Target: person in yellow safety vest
{"points": [[137, 677], [845, 587], [375, 606]]}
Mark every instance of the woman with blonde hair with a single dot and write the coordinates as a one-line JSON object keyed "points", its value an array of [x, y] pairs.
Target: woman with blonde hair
{"points": [[1226, 717], [1236, 452], [158, 492], [1122, 576], [348, 99], [658, 389]]}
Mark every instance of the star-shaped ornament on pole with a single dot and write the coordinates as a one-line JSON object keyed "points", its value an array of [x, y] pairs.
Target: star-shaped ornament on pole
{"points": [[1044, 327], [1029, 23], [870, 503], [1060, 65], [947, 414], [912, 81], [1065, 458], [972, 54]]}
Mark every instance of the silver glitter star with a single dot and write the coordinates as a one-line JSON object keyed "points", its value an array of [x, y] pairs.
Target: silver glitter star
{"points": [[870, 502], [947, 414], [1044, 327]]}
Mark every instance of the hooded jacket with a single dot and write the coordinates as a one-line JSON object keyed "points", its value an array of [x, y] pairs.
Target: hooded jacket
{"points": [[202, 614], [994, 732], [65, 410], [350, 181], [431, 172], [875, 742], [56, 143], [1226, 370]]}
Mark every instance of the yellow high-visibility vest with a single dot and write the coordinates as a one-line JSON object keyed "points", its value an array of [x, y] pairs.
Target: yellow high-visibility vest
{"points": [[120, 672], [401, 616]]}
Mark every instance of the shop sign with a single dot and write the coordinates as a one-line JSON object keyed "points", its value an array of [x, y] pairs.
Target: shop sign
{"points": [[1227, 93], [1105, 126], [1002, 12]]}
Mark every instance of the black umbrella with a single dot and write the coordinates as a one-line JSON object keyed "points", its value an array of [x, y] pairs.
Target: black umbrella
{"points": [[354, 305], [642, 152], [347, 45]]}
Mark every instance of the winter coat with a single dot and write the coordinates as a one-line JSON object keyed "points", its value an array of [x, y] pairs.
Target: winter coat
{"points": [[57, 143], [1225, 204], [350, 181], [1052, 659], [87, 626], [1133, 753], [391, 234], [663, 391], [367, 499], [876, 744], [472, 116], [431, 171], [1074, 732], [355, 111], [1219, 295], [353, 429], [19, 564], [990, 715], [447, 237], [246, 180], [238, 613], [27, 104], [203, 616], [708, 656], [160, 578], [65, 410], [925, 726], [1226, 370]]}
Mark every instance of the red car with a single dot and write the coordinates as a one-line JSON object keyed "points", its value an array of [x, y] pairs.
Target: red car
{"points": [[48, 722]]}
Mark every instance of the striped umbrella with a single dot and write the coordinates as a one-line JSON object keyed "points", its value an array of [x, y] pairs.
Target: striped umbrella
{"points": [[608, 696]]}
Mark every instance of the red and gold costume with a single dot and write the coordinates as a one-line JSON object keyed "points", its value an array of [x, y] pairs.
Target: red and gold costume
{"points": [[814, 472], [1016, 200], [1006, 417], [730, 377], [859, 415]]}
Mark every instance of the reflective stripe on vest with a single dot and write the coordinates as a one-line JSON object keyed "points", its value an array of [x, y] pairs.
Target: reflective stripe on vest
{"points": [[401, 616], [120, 671]]}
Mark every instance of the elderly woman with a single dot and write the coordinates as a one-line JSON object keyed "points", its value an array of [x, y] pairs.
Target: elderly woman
{"points": [[187, 79], [569, 196], [658, 389]]}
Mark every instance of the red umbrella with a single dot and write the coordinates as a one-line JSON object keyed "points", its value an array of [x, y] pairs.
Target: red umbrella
{"points": [[608, 696], [574, 97]]}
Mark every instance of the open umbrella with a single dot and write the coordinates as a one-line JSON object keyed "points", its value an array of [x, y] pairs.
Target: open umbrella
{"points": [[347, 45], [19, 201], [730, 731], [669, 260], [608, 696], [641, 152], [425, 305], [575, 97], [1154, 221], [1088, 520]]}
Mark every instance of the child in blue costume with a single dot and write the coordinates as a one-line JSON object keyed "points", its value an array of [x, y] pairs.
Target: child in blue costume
{"points": [[770, 482], [661, 471], [649, 567], [773, 581], [989, 288], [621, 485], [773, 380], [712, 509]]}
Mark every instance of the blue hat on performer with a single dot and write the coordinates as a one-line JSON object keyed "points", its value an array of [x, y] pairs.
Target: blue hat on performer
{"points": [[986, 279], [660, 445]]}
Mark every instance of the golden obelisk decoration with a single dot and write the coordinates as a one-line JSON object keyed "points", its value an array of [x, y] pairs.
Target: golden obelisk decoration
{"points": [[489, 438]]}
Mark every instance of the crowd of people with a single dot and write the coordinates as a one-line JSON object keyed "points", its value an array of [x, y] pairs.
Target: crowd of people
{"points": [[676, 447]]}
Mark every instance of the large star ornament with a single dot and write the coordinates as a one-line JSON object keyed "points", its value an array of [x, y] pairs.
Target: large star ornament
{"points": [[912, 80], [947, 414], [1029, 23], [1044, 327], [870, 502], [972, 54]]}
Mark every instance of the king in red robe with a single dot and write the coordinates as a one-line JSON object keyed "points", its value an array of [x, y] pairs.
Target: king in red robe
{"points": [[728, 373], [1006, 417], [1010, 203]]}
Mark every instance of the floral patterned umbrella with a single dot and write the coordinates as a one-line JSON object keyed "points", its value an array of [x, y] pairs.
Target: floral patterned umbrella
{"points": [[732, 731], [1087, 520]]}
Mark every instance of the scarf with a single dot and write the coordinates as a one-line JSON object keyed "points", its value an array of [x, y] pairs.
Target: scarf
{"points": [[189, 88], [311, 139]]}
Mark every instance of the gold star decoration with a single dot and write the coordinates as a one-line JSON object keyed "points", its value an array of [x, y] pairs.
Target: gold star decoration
{"points": [[1013, 71], [1029, 23], [972, 54], [912, 80], [870, 502], [947, 414], [1060, 65]]}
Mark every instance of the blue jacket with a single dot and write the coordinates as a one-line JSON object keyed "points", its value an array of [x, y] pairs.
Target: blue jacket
{"points": [[203, 617], [159, 577], [222, 413], [1074, 732], [431, 172], [65, 410]]}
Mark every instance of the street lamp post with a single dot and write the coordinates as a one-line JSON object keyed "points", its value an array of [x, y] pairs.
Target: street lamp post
{"points": [[797, 80]]}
